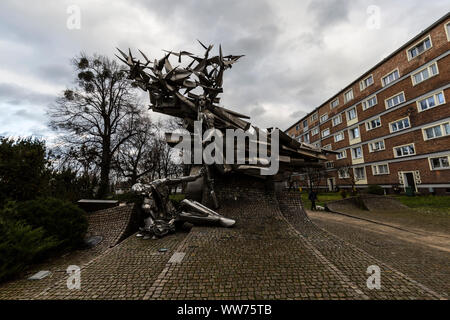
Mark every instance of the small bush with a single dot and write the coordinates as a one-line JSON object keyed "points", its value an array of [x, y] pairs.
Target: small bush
{"points": [[375, 189], [343, 193], [20, 245], [60, 219]]}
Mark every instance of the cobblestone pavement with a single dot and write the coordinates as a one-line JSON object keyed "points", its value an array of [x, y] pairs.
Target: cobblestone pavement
{"points": [[424, 263], [111, 224], [273, 252]]}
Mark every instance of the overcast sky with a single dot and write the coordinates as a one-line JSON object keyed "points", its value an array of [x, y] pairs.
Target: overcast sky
{"points": [[297, 53]]}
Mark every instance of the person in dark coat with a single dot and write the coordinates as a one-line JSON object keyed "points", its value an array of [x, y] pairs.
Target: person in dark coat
{"points": [[312, 197]]}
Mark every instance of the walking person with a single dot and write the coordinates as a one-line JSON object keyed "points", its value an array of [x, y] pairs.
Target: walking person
{"points": [[312, 197]]}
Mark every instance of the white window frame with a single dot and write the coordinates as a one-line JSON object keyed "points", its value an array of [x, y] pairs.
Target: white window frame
{"points": [[306, 135], [324, 132], [351, 136], [314, 131], [317, 144], [369, 124], [372, 149], [326, 118], [399, 120], [327, 147], [365, 101], [392, 97], [353, 154], [375, 170], [337, 103], [339, 116], [339, 134], [416, 44], [446, 28], [383, 84], [344, 155], [442, 127], [327, 166], [362, 83], [430, 75], [431, 165], [314, 117], [436, 101], [341, 170], [303, 124], [348, 112], [404, 145], [364, 171], [345, 95]]}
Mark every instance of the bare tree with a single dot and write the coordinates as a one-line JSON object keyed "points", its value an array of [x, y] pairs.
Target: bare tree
{"points": [[314, 177], [347, 174], [136, 157], [99, 114]]}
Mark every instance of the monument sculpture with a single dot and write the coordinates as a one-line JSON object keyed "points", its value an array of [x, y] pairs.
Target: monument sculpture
{"points": [[191, 93]]}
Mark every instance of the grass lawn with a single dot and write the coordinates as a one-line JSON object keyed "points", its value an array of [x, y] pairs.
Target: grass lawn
{"points": [[425, 212], [322, 198], [426, 204]]}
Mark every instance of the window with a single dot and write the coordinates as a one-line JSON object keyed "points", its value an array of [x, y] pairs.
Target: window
{"points": [[317, 144], [356, 153], [366, 82], [351, 114], [326, 132], [327, 147], [329, 164], [341, 155], [315, 131], [400, 125], [380, 169], [297, 127], [323, 118], [439, 163], [391, 77], [334, 103], [314, 117], [447, 30], [431, 101], [337, 120], [424, 74], [438, 131], [348, 96], [354, 133], [403, 151], [372, 124], [419, 48], [339, 136], [376, 146], [343, 173], [299, 139], [306, 138], [369, 102], [395, 100], [305, 124], [360, 173]]}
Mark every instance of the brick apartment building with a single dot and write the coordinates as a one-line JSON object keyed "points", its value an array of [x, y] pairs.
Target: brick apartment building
{"points": [[391, 126]]}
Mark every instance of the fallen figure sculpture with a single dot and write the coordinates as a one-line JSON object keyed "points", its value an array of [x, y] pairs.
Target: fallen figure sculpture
{"points": [[160, 215]]}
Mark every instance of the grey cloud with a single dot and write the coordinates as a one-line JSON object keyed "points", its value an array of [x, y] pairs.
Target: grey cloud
{"points": [[15, 95], [329, 12]]}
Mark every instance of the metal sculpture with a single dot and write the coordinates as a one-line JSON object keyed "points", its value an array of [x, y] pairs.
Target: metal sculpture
{"points": [[192, 94]]}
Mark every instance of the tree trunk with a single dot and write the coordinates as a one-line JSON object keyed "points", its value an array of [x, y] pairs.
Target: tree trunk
{"points": [[105, 168]]}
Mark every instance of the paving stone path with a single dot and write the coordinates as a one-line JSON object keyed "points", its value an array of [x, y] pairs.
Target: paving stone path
{"points": [[273, 252]]}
